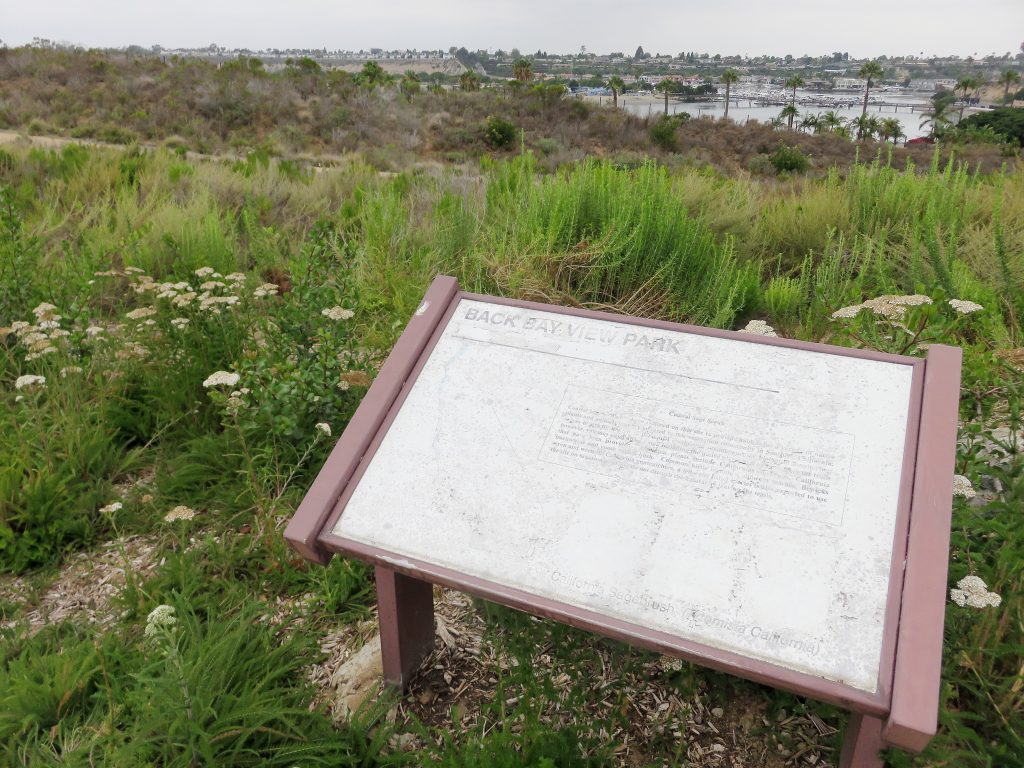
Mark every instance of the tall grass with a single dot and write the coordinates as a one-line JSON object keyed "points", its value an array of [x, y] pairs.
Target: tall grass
{"points": [[136, 423]]}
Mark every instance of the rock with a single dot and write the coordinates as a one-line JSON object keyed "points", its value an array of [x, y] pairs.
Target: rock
{"points": [[358, 678]]}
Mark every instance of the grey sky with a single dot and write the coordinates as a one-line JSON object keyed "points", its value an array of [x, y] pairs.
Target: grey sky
{"points": [[863, 28]]}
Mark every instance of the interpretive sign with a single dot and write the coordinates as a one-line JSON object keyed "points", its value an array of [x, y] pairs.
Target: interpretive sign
{"points": [[739, 501]]}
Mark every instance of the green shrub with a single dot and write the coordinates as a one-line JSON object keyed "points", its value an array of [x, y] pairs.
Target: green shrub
{"points": [[663, 132], [783, 298], [1007, 122], [789, 160], [499, 133]]}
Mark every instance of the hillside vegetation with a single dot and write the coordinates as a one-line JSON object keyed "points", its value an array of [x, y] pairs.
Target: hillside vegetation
{"points": [[303, 112], [182, 340]]}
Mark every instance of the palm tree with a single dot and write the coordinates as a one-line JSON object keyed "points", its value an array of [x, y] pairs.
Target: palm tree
{"points": [[617, 86], [964, 84], [831, 121], [522, 70], [788, 113], [810, 123], [729, 77], [1008, 78], [870, 71], [666, 86], [794, 82], [469, 81], [866, 126], [409, 84], [891, 128], [938, 117]]}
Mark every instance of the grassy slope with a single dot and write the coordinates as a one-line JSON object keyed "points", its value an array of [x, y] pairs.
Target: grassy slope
{"points": [[691, 245]]}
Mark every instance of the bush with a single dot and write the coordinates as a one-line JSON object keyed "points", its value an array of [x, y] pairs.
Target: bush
{"points": [[789, 160], [1006, 122], [499, 133], [663, 132]]}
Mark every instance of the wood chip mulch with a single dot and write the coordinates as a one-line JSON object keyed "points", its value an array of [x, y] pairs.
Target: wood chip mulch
{"points": [[666, 726]]}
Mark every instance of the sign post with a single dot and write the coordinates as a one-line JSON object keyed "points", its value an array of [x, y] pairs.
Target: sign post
{"points": [[775, 509]]}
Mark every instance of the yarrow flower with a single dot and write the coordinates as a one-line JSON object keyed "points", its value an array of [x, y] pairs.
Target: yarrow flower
{"points": [[94, 330], [324, 428], [962, 487], [267, 289], [759, 328], [141, 312], [965, 307], [44, 311], [204, 271], [69, 370], [29, 380], [892, 307], [160, 618], [179, 322], [337, 313], [221, 379], [235, 277], [971, 591], [180, 512], [112, 507]]}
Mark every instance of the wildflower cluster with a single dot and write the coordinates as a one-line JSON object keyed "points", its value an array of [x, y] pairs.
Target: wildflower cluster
{"points": [[891, 307], [759, 328], [972, 592], [160, 621]]}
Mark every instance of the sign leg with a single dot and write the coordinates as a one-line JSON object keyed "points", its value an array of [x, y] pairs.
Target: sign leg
{"points": [[405, 611], [862, 743]]}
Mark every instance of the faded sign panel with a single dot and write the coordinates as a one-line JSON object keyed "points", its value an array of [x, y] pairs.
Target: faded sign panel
{"points": [[735, 494]]}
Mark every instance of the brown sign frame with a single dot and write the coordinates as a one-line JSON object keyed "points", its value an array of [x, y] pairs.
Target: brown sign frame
{"points": [[902, 712]]}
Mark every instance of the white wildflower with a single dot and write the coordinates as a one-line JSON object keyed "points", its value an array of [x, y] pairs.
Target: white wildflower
{"points": [[179, 322], [33, 338], [29, 381], [135, 270], [40, 353], [670, 664], [59, 333], [971, 591], [112, 507], [965, 307], [235, 277], [130, 350], [343, 385], [108, 273], [94, 330], [211, 285], [159, 619], [141, 312], [167, 293], [221, 379], [69, 371], [759, 328], [180, 512], [183, 299], [337, 313], [49, 325], [324, 428], [204, 271], [19, 398], [962, 487], [44, 311], [20, 326], [210, 302]]}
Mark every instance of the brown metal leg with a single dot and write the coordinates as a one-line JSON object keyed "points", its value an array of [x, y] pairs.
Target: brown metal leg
{"points": [[405, 611], [862, 743]]}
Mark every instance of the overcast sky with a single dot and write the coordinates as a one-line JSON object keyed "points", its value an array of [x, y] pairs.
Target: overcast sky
{"points": [[863, 28]]}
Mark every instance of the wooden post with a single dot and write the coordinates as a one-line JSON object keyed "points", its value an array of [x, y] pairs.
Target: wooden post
{"points": [[405, 612], [862, 743]]}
